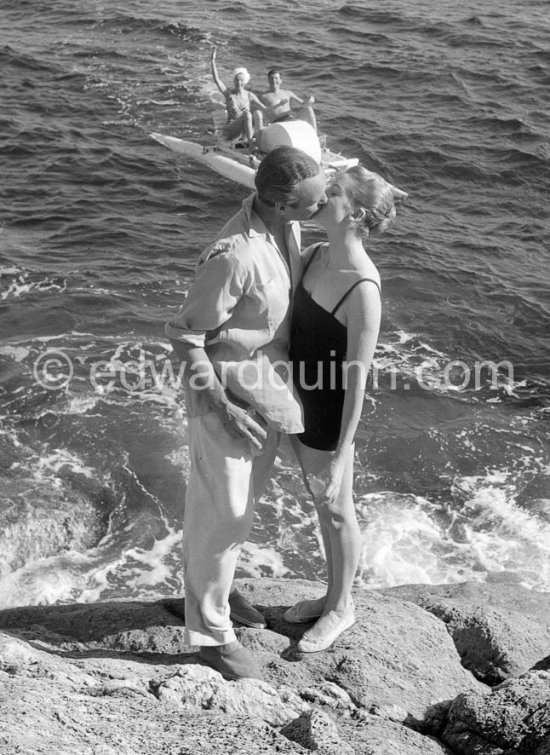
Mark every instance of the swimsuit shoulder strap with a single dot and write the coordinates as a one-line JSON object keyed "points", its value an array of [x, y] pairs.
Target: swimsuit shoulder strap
{"points": [[348, 292], [310, 260]]}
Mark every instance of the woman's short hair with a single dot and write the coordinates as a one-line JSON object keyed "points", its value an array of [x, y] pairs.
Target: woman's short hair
{"points": [[376, 197], [281, 172], [242, 71]]}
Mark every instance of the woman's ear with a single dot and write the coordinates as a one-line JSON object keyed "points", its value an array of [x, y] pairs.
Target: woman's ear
{"points": [[359, 214]]}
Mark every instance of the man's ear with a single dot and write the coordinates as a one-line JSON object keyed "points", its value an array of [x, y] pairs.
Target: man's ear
{"points": [[280, 208]]}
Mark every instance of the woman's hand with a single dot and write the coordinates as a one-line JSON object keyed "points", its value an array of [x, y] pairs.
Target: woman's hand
{"points": [[335, 477], [326, 486]]}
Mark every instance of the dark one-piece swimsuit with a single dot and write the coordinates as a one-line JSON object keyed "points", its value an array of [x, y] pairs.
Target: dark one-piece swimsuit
{"points": [[318, 343]]}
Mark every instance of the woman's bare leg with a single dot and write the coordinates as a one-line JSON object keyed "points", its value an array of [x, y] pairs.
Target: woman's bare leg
{"points": [[340, 533]]}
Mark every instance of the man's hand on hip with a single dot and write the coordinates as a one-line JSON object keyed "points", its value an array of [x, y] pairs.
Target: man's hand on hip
{"points": [[241, 423]]}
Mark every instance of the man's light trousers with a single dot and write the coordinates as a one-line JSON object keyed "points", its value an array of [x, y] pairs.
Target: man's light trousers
{"points": [[225, 479]]}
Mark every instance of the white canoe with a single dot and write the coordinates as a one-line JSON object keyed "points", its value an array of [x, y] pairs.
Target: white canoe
{"points": [[215, 157], [237, 165]]}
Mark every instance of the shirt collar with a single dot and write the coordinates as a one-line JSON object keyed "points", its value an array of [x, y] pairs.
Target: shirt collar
{"points": [[255, 223]]}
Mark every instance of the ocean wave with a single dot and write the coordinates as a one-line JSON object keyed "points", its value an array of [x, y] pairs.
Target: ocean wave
{"points": [[403, 543], [70, 373], [407, 363], [16, 283], [25, 61], [354, 11], [80, 503], [503, 536], [502, 124], [454, 35], [474, 20], [408, 539], [126, 24], [43, 511], [111, 570]]}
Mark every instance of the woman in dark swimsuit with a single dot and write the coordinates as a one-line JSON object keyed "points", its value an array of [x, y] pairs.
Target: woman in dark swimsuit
{"points": [[335, 324]]}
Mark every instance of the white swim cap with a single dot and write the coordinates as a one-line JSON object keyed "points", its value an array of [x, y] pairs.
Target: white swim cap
{"points": [[243, 72]]}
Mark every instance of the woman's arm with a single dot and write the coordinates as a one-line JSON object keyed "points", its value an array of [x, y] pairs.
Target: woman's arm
{"points": [[363, 312], [219, 83], [256, 101]]}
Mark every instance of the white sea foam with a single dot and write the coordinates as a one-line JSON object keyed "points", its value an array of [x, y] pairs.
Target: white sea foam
{"points": [[101, 573], [502, 535], [142, 572], [262, 561], [408, 539], [402, 542], [44, 581], [23, 284], [403, 359], [407, 355], [48, 465], [18, 353]]}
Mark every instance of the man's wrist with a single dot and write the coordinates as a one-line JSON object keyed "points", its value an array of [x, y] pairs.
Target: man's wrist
{"points": [[218, 399]]}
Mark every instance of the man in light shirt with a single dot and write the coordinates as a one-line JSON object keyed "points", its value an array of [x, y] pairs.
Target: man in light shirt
{"points": [[232, 333]]}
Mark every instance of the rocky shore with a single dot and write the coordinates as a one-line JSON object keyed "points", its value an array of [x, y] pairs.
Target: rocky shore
{"points": [[459, 669]]}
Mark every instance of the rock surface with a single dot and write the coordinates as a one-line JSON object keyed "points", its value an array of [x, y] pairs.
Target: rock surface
{"points": [[117, 678], [499, 630], [514, 717], [376, 662], [314, 730], [380, 736]]}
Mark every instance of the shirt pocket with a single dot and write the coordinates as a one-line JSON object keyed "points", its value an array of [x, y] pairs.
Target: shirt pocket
{"points": [[272, 298]]}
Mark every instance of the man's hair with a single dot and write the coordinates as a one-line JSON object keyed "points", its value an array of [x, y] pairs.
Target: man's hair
{"points": [[272, 71], [281, 172]]}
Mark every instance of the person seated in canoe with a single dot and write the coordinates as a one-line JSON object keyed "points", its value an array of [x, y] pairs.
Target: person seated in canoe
{"points": [[244, 109], [280, 102]]}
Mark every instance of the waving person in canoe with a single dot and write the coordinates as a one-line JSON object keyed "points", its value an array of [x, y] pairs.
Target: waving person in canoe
{"points": [[244, 109]]}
